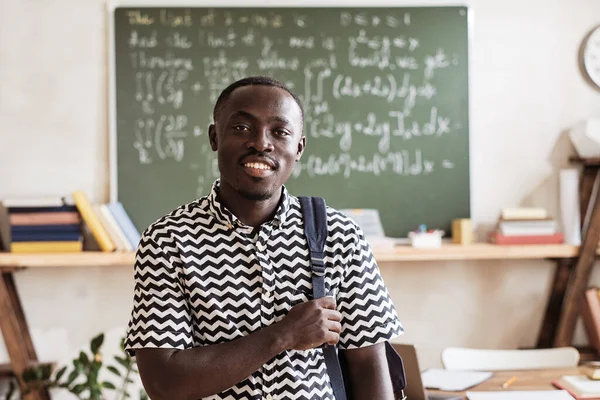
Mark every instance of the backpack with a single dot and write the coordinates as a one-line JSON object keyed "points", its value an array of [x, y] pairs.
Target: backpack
{"points": [[314, 213]]}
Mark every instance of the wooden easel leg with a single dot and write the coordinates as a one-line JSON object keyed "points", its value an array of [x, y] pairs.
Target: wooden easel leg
{"points": [[580, 278], [588, 177], [16, 333], [562, 274]]}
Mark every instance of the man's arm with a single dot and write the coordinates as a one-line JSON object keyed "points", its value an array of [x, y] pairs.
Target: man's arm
{"points": [[204, 371], [369, 374]]}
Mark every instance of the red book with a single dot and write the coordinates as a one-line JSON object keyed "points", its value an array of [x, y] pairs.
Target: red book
{"points": [[45, 218], [498, 238], [561, 385]]}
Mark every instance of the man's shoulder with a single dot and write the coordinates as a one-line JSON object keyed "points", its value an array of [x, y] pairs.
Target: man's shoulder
{"points": [[335, 218], [189, 214]]}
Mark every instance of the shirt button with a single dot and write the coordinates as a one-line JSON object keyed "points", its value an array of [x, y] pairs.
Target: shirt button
{"points": [[267, 295], [269, 397]]}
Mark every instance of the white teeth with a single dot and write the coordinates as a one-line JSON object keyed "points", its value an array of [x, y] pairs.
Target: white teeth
{"points": [[257, 166]]}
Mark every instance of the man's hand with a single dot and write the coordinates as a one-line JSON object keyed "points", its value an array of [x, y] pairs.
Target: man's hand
{"points": [[310, 324]]}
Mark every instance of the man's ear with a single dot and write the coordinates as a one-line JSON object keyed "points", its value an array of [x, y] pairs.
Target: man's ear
{"points": [[212, 137], [301, 146]]}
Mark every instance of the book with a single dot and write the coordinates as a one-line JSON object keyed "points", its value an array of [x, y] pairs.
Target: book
{"points": [[45, 218], [113, 229], [45, 237], [92, 221], [46, 247], [63, 208], [528, 227], [512, 213], [590, 313], [591, 369], [499, 238], [125, 223], [71, 228], [48, 201], [579, 386]]}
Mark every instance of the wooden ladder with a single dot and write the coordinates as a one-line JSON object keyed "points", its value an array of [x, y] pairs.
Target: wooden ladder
{"points": [[572, 275], [16, 334]]}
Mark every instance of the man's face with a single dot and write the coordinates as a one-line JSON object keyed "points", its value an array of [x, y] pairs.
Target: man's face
{"points": [[258, 138]]}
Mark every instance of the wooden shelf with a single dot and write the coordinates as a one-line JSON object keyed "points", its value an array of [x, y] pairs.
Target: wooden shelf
{"points": [[83, 259], [477, 251]]}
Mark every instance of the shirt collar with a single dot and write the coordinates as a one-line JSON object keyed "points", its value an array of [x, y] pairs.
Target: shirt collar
{"points": [[223, 215]]}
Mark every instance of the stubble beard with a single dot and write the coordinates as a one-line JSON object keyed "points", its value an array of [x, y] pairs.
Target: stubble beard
{"points": [[259, 194]]}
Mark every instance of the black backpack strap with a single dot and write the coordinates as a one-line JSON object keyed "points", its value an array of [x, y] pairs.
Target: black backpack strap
{"points": [[314, 213]]}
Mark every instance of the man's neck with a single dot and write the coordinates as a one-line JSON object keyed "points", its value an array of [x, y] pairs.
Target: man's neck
{"points": [[251, 212]]}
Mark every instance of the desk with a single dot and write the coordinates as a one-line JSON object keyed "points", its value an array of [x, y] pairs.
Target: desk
{"points": [[538, 379]]}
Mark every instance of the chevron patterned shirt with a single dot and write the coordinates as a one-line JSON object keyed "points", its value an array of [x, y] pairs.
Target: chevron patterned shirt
{"points": [[202, 277]]}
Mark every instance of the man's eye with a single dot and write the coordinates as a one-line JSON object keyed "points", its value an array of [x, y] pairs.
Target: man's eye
{"points": [[281, 132], [241, 128]]}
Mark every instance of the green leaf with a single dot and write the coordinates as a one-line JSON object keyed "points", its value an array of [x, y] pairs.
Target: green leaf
{"points": [[78, 389], [114, 370], [60, 373], [83, 359], [39, 374], [124, 362], [29, 375], [78, 366], [108, 385], [46, 370], [96, 343], [72, 376]]}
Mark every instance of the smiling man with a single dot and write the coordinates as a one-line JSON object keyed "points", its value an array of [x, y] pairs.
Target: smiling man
{"points": [[222, 299]]}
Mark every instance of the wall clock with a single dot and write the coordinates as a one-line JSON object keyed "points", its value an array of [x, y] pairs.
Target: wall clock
{"points": [[591, 56]]}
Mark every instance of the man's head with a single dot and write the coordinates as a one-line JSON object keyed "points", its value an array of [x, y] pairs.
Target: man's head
{"points": [[257, 134]]}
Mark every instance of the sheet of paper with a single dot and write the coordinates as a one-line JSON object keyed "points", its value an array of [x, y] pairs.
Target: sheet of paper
{"points": [[443, 379], [521, 395]]}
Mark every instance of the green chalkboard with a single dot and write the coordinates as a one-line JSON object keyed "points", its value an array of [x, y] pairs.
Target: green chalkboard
{"points": [[385, 92]]}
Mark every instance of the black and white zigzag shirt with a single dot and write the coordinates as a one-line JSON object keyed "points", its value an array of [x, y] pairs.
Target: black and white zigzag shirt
{"points": [[202, 277]]}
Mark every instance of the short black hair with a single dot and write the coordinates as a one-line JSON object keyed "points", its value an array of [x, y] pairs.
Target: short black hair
{"points": [[252, 81]]}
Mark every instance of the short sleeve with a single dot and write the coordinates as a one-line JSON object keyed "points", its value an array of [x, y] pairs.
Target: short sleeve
{"points": [[160, 317], [368, 314]]}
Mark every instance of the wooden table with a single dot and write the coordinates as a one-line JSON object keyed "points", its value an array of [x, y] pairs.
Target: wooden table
{"points": [[539, 379]]}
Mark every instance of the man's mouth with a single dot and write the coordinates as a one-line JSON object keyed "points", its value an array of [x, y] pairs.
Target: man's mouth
{"points": [[257, 165], [258, 169]]}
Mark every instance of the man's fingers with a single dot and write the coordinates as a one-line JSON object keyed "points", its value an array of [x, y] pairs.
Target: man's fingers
{"points": [[326, 302], [332, 338], [334, 326]]}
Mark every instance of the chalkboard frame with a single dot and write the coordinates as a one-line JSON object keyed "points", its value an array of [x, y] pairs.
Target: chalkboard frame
{"points": [[111, 6]]}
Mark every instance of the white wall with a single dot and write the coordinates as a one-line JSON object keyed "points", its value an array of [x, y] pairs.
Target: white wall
{"points": [[526, 92]]}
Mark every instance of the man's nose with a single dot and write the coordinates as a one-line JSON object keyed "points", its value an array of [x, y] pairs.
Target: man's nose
{"points": [[261, 141]]}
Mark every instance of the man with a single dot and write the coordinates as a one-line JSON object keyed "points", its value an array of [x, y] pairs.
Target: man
{"points": [[222, 303]]}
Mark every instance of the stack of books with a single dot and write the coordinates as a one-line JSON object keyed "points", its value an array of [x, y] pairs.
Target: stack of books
{"points": [[40, 225], [518, 226], [55, 225], [109, 224]]}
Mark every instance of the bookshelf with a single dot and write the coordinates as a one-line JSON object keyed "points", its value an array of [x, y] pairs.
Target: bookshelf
{"points": [[448, 252]]}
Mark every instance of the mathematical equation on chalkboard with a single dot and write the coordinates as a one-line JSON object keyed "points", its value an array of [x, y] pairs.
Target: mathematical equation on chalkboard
{"points": [[179, 60]]}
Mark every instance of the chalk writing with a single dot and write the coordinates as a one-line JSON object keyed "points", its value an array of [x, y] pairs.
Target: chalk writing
{"points": [[370, 96]]}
